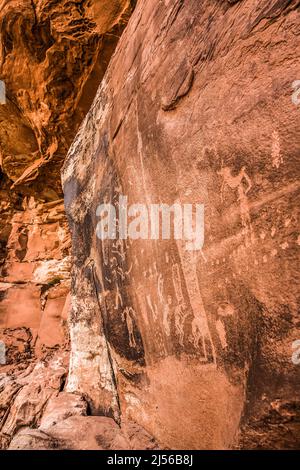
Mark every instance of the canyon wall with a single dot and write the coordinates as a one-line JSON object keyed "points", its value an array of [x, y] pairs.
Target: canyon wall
{"points": [[196, 107], [169, 347], [53, 56]]}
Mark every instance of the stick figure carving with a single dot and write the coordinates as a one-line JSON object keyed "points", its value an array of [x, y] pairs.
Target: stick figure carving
{"points": [[242, 184], [128, 316], [180, 316], [199, 332], [166, 315]]}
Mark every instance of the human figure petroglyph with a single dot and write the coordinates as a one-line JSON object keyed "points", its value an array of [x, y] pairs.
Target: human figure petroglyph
{"points": [[177, 282], [118, 249], [277, 158], [157, 327], [160, 288], [199, 331], [221, 333], [129, 270], [128, 316], [166, 315], [224, 310], [121, 273], [199, 327], [235, 182], [116, 274], [242, 184], [118, 298], [2, 92], [180, 316], [2, 353], [152, 307], [105, 252]]}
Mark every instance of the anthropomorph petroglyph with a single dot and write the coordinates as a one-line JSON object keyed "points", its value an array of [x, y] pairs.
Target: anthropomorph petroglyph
{"points": [[221, 333], [166, 315], [277, 158], [199, 327], [242, 184], [235, 182], [177, 282], [160, 288], [199, 332], [180, 317], [152, 307], [128, 316], [2, 353]]}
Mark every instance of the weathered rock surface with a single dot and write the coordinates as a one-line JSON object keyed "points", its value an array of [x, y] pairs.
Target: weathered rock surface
{"points": [[169, 347], [195, 346], [35, 276], [65, 425], [52, 59], [53, 55], [24, 394], [83, 433]]}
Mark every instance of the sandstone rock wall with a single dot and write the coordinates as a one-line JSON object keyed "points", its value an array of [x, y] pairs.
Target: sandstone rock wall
{"points": [[35, 280], [169, 348], [53, 56], [194, 345]]}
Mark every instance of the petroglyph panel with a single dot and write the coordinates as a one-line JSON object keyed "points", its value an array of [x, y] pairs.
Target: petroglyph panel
{"points": [[218, 130]]}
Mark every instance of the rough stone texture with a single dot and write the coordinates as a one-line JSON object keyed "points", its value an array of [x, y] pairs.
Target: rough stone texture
{"points": [[53, 55], [61, 407], [82, 433], [172, 348], [24, 394], [195, 107], [65, 425]]}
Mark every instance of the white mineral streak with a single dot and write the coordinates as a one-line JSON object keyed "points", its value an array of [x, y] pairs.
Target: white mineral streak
{"points": [[87, 140], [90, 370]]}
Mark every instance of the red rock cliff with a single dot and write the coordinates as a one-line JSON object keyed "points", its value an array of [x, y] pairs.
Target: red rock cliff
{"points": [[183, 349], [52, 58]]}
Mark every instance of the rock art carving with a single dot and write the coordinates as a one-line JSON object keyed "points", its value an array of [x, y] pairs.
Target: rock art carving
{"points": [[199, 327], [129, 315], [180, 317], [277, 157], [156, 336], [242, 184], [167, 316]]}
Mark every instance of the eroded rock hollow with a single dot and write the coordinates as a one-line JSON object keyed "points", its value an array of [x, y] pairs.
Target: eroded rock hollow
{"points": [[181, 348]]}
